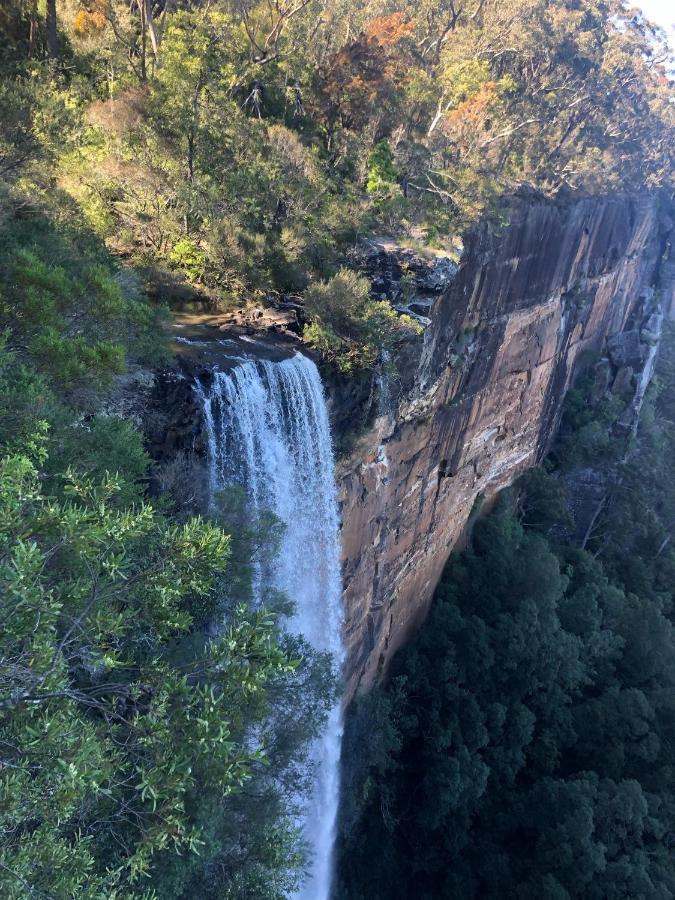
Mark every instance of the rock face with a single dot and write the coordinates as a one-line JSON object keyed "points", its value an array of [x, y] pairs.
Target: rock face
{"points": [[501, 348], [475, 400]]}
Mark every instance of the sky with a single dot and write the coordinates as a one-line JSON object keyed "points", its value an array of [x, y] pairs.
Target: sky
{"points": [[662, 12]]}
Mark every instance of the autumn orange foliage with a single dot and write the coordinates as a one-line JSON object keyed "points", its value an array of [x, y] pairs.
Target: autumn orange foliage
{"points": [[362, 78], [389, 30], [90, 21], [471, 115]]}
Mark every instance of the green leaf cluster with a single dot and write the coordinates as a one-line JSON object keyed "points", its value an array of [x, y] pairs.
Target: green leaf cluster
{"points": [[381, 168], [348, 326], [118, 715]]}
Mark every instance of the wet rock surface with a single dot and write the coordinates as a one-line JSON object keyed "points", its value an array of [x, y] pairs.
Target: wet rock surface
{"points": [[215, 340], [278, 317], [172, 417]]}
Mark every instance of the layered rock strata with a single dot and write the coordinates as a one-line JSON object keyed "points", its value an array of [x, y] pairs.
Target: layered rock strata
{"points": [[502, 346]]}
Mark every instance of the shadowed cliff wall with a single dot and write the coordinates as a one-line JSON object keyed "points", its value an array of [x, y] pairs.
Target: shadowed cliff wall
{"points": [[496, 361]]}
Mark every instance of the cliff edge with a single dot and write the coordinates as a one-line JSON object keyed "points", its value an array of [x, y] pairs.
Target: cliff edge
{"points": [[501, 348]]}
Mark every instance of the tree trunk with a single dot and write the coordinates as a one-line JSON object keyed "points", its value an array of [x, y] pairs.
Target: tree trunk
{"points": [[192, 143], [32, 34], [192, 132], [52, 33], [138, 48], [152, 31], [437, 118], [142, 9]]}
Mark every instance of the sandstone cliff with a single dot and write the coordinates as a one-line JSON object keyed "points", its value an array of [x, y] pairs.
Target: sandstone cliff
{"points": [[483, 392]]}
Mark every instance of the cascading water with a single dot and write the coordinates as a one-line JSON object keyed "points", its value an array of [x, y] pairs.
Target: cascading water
{"points": [[268, 431]]}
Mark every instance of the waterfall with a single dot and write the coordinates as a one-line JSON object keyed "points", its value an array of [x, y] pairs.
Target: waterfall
{"points": [[268, 430]]}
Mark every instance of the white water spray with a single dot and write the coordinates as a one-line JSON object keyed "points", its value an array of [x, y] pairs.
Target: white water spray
{"points": [[268, 431]]}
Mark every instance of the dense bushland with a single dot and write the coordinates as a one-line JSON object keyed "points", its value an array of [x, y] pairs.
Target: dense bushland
{"points": [[523, 745], [229, 150]]}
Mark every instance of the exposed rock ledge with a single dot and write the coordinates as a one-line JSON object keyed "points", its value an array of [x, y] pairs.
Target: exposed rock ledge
{"points": [[498, 356]]}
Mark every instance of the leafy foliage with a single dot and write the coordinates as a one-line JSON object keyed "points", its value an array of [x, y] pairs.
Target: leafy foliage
{"points": [[97, 722], [69, 310], [231, 148], [348, 326], [381, 170], [130, 729]]}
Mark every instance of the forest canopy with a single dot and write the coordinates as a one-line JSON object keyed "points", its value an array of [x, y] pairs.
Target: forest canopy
{"points": [[233, 146], [231, 152]]}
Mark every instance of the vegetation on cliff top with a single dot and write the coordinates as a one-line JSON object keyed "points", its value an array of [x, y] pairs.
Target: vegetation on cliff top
{"points": [[230, 149]]}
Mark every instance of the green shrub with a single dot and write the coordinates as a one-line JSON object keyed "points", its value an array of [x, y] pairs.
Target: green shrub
{"points": [[26, 406], [97, 608], [350, 328], [186, 255], [382, 171], [106, 444], [75, 320]]}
